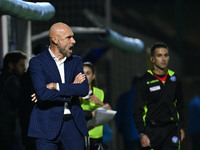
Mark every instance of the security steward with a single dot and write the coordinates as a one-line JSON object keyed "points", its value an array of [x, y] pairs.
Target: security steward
{"points": [[158, 104]]}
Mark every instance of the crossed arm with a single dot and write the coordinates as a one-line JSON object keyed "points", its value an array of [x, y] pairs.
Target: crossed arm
{"points": [[53, 86]]}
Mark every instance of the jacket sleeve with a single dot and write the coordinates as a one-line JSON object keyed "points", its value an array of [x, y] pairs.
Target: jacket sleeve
{"points": [[71, 89], [138, 106]]}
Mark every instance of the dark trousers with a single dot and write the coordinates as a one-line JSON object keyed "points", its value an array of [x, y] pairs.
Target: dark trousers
{"points": [[132, 145], [96, 144], [69, 138], [164, 137]]}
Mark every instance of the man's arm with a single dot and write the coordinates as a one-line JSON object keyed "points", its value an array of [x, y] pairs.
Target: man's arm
{"points": [[78, 80], [139, 112], [66, 89], [53, 86], [36, 71], [138, 106], [75, 89]]}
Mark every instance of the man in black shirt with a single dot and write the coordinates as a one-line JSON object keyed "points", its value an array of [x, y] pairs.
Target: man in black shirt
{"points": [[158, 105]]}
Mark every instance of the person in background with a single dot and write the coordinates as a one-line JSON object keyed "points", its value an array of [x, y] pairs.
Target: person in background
{"points": [[25, 107], [124, 119], [89, 103], [57, 120], [13, 68], [25, 103], [158, 104], [194, 121]]}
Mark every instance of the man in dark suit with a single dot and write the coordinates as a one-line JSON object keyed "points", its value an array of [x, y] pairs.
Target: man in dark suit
{"points": [[57, 120]]}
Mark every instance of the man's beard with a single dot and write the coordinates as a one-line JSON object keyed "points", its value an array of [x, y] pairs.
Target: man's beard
{"points": [[64, 53]]}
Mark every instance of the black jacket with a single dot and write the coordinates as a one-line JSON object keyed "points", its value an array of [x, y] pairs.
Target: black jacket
{"points": [[157, 103]]}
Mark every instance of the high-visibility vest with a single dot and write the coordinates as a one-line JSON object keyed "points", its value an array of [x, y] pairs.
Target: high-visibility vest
{"points": [[96, 132]]}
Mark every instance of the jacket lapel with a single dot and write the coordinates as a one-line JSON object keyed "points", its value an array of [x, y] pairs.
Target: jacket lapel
{"points": [[50, 64], [68, 65]]}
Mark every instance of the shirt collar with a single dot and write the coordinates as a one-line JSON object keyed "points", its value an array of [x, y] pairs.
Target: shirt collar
{"points": [[54, 57]]}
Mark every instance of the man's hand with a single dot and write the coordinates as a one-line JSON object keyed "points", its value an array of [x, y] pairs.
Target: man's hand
{"points": [[145, 141], [51, 86], [34, 99], [182, 134], [79, 78]]}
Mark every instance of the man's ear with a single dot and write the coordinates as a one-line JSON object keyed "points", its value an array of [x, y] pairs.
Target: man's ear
{"points": [[54, 40], [152, 59], [10, 66]]}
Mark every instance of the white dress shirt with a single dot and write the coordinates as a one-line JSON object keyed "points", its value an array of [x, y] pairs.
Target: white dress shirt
{"points": [[60, 65]]}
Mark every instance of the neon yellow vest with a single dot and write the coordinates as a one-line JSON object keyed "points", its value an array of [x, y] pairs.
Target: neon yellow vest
{"points": [[96, 132]]}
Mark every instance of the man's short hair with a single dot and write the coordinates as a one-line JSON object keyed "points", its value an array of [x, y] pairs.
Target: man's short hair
{"points": [[13, 57], [158, 45]]}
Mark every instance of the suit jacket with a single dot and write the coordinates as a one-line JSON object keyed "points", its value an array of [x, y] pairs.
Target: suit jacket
{"points": [[47, 115]]}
